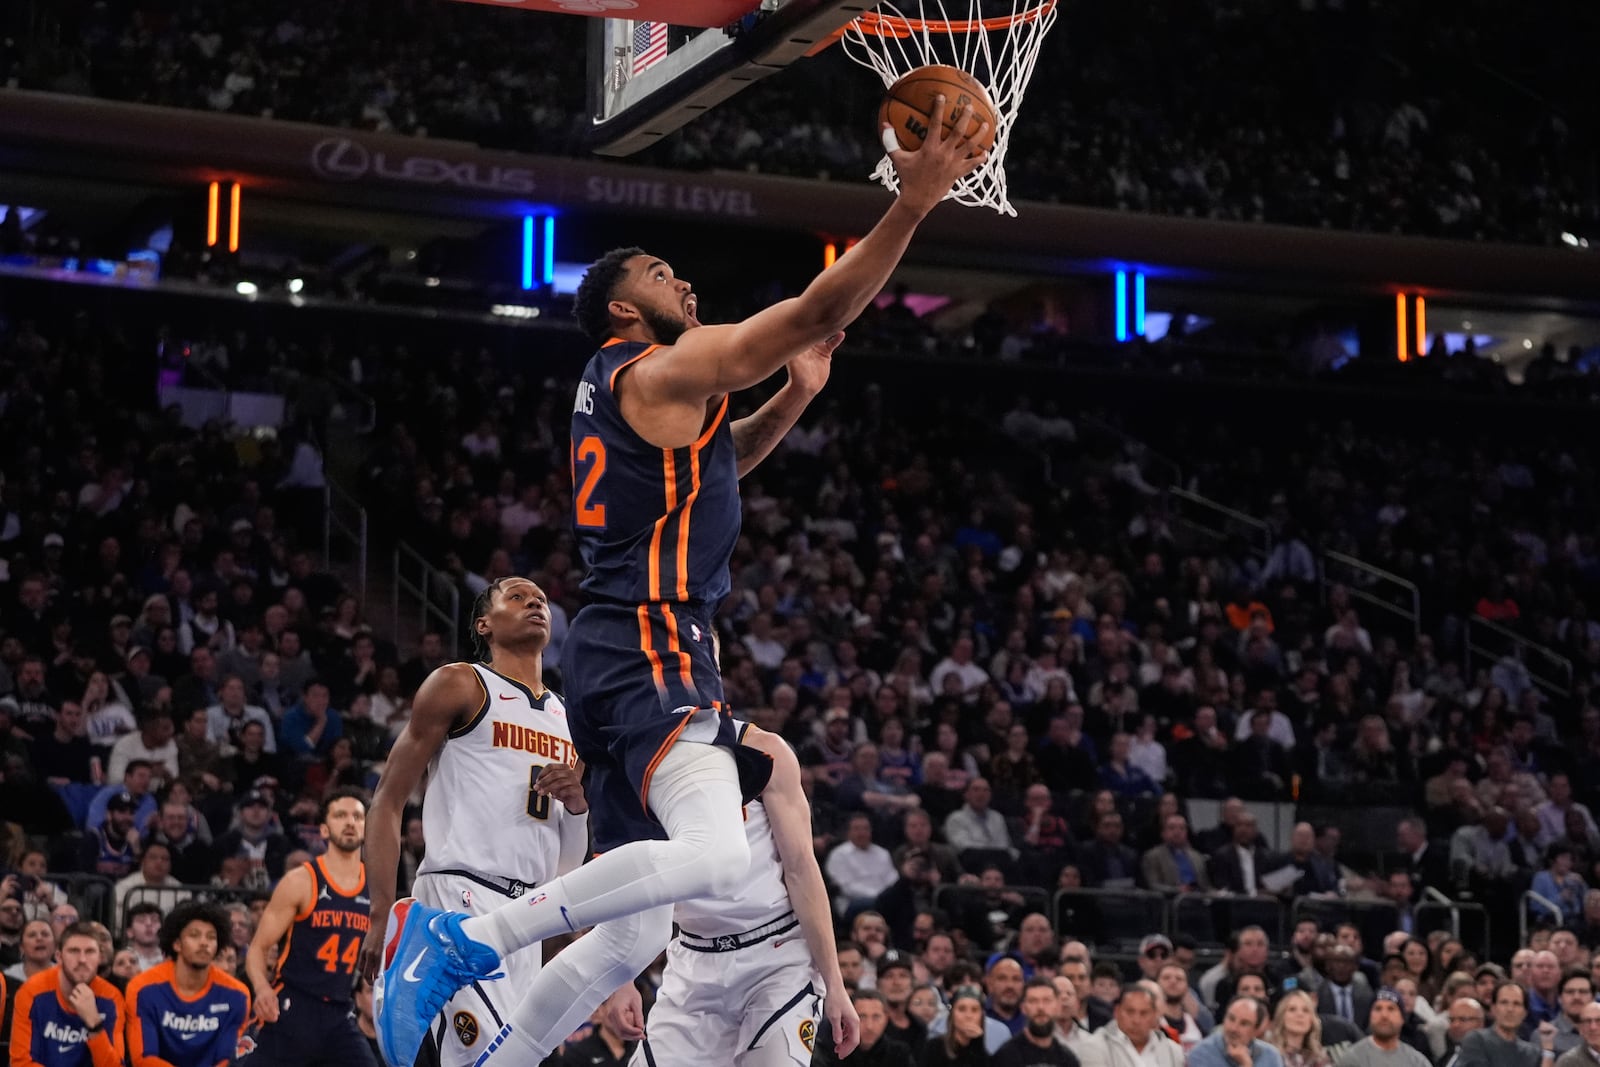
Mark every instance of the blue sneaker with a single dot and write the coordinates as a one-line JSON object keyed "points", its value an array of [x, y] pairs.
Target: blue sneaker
{"points": [[426, 960]]}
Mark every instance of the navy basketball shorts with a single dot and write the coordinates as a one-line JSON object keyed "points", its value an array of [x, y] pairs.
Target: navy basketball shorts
{"points": [[310, 1032], [638, 679]]}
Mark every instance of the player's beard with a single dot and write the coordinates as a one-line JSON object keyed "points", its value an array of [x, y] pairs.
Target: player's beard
{"points": [[663, 326], [347, 849]]}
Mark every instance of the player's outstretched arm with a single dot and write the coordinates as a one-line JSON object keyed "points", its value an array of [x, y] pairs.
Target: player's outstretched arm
{"points": [[712, 360], [757, 434], [295, 895], [449, 695], [789, 813]]}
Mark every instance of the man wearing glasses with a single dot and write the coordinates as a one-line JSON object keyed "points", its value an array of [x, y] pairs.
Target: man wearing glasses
{"points": [[12, 921], [1576, 991], [1587, 1052], [1466, 1015]]}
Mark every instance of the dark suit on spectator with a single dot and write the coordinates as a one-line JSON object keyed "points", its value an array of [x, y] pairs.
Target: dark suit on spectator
{"points": [[1360, 1002]]}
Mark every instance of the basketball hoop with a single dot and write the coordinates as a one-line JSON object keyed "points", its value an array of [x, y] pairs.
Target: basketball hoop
{"points": [[999, 50]]}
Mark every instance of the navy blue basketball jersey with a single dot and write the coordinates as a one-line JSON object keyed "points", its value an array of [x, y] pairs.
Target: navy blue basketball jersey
{"points": [[319, 954], [653, 524]]}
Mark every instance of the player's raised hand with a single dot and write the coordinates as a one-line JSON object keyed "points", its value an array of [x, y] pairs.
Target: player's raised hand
{"points": [[809, 371], [946, 156], [623, 1012], [845, 1023], [565, 784]]}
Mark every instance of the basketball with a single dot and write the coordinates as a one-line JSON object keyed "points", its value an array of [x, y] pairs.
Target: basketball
{"points": [[908, 106]]}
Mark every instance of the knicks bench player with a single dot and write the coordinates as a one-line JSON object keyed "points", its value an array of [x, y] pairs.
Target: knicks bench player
{"points": [[495, 745], [656, 507], [184, 1012]]}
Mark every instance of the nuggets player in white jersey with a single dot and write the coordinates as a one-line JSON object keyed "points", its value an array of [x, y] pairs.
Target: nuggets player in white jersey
{"points": [[504, 809], [749, 973]]}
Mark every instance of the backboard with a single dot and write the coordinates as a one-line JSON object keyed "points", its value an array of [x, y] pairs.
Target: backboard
{"points": [[647, 79]]}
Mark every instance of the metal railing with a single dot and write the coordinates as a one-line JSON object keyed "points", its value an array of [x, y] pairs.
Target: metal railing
{"points": [[1373, 586], [1489, 642], [168, 896], [1530, 897], [343, 514], [355, 408], [1210, 917], [434, 592], [94, 895], [1158, 468], [1218, 522], [1109, 916], [1474, 935]]}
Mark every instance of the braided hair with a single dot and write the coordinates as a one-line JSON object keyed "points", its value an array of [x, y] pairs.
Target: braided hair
{"points": [[480, 608]]}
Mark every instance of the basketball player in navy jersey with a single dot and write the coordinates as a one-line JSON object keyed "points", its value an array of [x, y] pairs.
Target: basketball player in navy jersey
{"points": [[318, 917], [655, 465], [504, 811]]}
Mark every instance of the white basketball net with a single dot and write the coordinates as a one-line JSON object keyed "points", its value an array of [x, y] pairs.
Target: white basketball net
{"points": [[999, 51]]}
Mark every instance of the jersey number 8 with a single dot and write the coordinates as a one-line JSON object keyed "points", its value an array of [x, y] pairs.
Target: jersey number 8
{"points": [[538, 803]]}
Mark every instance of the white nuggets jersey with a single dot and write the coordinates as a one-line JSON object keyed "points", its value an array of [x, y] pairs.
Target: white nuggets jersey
{"points": [[763, 897], [480, 812]]}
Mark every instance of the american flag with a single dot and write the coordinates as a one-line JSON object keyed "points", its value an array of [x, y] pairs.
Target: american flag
{"points": [[649, 45]]}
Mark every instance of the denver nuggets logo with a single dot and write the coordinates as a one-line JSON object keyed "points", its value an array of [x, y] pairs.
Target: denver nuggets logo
{"points": [[808, 1033], [467, 1028]]}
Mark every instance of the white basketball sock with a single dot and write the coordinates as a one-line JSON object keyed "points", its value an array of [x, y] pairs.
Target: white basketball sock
{"points": [[695, 794], [569, 988]]}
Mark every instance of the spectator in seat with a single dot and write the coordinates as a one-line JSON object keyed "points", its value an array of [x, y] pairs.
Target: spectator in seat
{"points": [[1383, 1044], [917, 830], [1499, 1045], [1554, 813], [1239, 865], [939, 796], [1341, 995], [152, 744], [1175, 865], [830, 754], [978, 826], [861, 869], [12, 923], [112, 847], [1035, 1044], [865, 789], [1428, 867], [38, 947], [256, 841], [312, 726], [62, 756], [1559, 884], [1200, 755], [143, 934], [1105, 861], [895, 983], [1182, 1013], [253, 762], [1236, 1043], [959, 663], [152, 882], [1066, 760], [192, 859], [1587, 1049], [961, 1043], [1317, 875], [226, 718], [1122, 777], [1003, 982], [1544, 987], [1259, 765]]}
